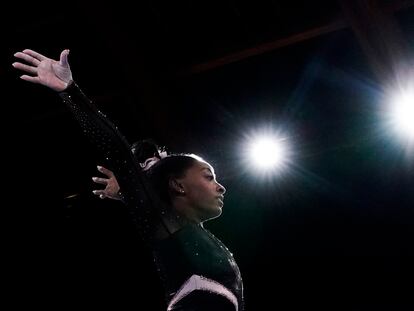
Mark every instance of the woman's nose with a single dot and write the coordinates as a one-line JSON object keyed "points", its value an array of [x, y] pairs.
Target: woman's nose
{"points": [[221, 188]]}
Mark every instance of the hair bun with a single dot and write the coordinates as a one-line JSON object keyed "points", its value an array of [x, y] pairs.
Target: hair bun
{"points": [[147, 152]]}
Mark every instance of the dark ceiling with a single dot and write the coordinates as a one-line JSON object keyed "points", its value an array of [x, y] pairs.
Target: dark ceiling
{"points": [[331, 233]]}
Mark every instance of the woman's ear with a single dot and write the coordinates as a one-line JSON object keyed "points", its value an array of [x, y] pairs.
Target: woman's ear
{"points": [[175, 185]]}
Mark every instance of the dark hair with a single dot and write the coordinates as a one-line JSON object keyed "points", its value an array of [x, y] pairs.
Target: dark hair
{"points": [[172, 166], [145, 149]]}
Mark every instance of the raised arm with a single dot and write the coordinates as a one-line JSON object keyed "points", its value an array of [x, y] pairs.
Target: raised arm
{"points": [[137, 194], [43, 70]]}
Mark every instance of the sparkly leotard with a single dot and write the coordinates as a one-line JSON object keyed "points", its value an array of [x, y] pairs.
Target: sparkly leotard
{"points": [[197, 270]]}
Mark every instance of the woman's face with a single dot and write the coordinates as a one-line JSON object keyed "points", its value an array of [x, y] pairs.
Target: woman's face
{"points": [[202, 192]]}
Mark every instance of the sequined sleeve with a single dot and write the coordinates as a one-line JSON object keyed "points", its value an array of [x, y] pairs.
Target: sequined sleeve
{"points": [[111, 144]]}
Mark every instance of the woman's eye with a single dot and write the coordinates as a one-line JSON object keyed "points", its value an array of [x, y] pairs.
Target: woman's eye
{"points": [[210, 177]]}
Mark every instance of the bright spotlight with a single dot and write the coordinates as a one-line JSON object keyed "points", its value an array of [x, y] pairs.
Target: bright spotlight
{"points": [[267, 152], [402, 114]]}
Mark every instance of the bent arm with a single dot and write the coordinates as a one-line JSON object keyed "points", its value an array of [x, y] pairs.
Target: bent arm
{"points": [[111, 190]]}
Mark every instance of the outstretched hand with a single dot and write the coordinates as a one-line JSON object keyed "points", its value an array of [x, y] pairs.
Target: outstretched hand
{"points": [[43, 70], [111, 190]]}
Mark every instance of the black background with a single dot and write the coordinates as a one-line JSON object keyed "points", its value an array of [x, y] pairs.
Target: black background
{"points": [[334, 232]]}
